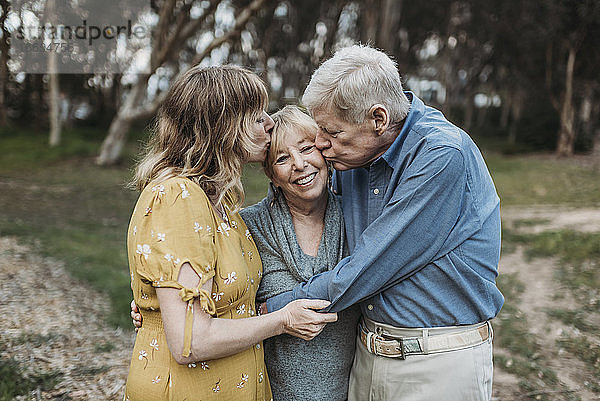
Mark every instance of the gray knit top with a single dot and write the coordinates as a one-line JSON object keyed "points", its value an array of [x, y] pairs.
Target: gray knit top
{"points": [[298, 369]]}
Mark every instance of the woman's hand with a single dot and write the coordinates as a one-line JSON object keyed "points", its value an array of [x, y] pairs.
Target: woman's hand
{"points": [[301, 319], [136, 316]]}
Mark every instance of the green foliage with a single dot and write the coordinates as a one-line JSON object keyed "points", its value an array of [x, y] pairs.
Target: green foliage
{"points": [[526, 359], [511, 323], [78, 213], [14, 382], [103, 347], [577, 318], [527, 180], [583, 349], [570, 246]]}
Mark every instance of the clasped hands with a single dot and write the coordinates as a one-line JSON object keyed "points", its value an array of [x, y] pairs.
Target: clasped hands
{"points": [[300, 317]]}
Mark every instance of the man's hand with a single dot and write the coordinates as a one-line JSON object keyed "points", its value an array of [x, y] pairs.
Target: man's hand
{"points": [[136, 316], [302, 320]]}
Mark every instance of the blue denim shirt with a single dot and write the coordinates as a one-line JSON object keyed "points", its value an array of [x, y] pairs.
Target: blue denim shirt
{"points": [[423, 228]]}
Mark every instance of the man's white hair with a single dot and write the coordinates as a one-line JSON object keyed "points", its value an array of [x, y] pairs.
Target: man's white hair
{"points": [[352, 81]]}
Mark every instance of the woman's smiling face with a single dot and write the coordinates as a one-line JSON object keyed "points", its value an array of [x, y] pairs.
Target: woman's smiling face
{"points": [[298, 167]]}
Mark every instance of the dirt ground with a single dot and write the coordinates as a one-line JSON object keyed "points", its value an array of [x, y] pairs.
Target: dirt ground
{"points": [[540, 293], [50, 321]]}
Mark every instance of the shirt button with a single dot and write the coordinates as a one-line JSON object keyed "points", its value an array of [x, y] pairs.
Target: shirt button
{"points": [[370, 307], [376, 191]]}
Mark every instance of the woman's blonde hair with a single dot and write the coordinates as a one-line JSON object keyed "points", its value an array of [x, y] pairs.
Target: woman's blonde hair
{"points": [[203, 131], [288, 120]]}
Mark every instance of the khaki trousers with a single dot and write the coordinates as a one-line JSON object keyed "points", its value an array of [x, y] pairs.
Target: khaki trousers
{"points": [[461, 375]]}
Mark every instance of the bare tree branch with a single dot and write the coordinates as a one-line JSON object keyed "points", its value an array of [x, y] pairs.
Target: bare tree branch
{"points": [[240, 23]]}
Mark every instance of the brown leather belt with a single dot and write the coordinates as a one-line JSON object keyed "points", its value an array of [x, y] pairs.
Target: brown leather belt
{"points": [[400, 347]]}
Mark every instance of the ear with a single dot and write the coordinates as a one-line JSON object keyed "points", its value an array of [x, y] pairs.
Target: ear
{"points": [[380, 117]]}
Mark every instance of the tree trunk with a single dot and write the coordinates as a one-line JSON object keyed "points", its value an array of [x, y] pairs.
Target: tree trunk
{"points": [[3, 64], [469, 111], [53, 90], [119, 127], [390, 19], [369, 22], [516, 109], [505, 111], [566, 135], [53, 101]]}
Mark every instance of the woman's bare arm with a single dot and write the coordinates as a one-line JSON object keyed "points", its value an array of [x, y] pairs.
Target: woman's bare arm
{"points": [[216, 338]]}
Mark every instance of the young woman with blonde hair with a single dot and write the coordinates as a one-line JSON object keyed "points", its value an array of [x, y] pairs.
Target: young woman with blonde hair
{"points": [[194, 267]]}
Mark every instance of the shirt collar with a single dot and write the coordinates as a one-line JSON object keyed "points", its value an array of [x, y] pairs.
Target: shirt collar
{"points": [[417, 108]]}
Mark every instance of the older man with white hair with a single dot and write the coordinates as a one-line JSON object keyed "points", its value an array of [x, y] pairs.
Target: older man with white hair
{"points": [[423, 226]]}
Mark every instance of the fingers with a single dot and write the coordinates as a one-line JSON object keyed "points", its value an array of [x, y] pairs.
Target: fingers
{"points": [[314, 303], [136, 318], [308, 332], [134, 307], [328, 317]]}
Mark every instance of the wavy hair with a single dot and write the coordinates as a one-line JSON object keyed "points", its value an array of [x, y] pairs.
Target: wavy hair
{"points": [[203, 131]]}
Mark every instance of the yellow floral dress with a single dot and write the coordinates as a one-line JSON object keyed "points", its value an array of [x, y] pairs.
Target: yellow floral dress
{"points": [[173, 223]]}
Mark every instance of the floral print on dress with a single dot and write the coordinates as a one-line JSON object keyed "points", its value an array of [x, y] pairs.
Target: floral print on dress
{"points": [[184, 191], [156, 256], [242, 384], [143, 357], [144, 250], [154, 346], [231, 277], [158, 190], [172, 258], [224, 229]]}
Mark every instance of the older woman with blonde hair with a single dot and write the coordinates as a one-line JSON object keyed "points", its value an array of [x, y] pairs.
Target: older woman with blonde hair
{"points": [[299, 232], [194, 267]]}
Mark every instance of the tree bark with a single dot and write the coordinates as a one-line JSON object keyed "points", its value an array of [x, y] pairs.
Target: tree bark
{"points": [[170, 44], [53, 84], [3, 63], [516, 109], [369, 22], [54, 102], [390, 19], [113, 144], [566, 135], [505, 111]]}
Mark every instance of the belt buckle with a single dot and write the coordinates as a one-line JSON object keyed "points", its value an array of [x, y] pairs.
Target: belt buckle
{"points": [[401, 348]]}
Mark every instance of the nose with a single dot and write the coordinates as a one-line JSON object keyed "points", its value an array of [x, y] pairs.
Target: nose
{"points": [[298, 161], [321, 142], [268, 124]]}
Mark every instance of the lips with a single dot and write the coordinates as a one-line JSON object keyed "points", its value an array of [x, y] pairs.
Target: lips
{"points": [[306, 180]]}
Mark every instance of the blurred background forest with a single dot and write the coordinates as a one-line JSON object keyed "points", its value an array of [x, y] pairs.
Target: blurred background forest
{"points": [[521, 76]]}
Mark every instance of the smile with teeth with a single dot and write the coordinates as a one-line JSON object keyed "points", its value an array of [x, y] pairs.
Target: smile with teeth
{"points": [[306, 180]]}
